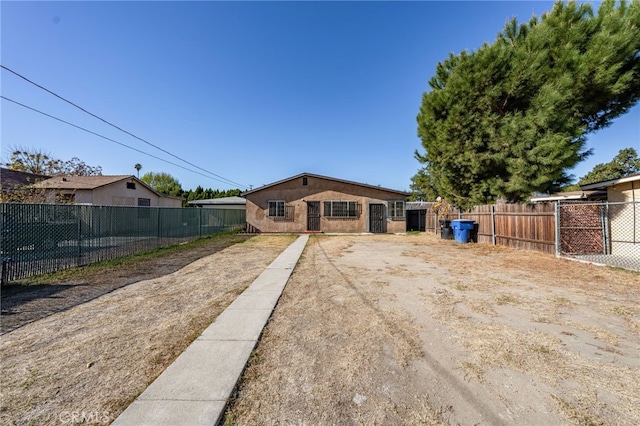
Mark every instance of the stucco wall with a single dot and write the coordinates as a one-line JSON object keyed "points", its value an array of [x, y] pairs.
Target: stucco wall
{"points": [[296, 197], [117, 194], [625, 218]]}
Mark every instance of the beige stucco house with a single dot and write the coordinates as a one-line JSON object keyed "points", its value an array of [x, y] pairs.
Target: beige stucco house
{"points": [[623, 196], [314, 203], [123, 190]]}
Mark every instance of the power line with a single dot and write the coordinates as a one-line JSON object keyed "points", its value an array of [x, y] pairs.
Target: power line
{"points": [[119, 128], [112, 140]]}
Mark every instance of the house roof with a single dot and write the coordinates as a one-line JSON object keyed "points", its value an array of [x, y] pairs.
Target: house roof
{"points": [[81, 182], [611, 182], [10, 179], [262, 188], [220, 201], [92, 182], [569, 195]]}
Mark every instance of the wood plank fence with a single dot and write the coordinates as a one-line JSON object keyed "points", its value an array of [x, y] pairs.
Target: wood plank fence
{"points": [[522, 226]]}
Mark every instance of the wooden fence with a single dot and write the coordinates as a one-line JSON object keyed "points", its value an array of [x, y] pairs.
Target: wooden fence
{"points": [[522, 226]]}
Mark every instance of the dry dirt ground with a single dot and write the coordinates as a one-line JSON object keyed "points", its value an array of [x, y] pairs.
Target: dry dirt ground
{"points": [[416, 330], [87, 349], [369, 330]]}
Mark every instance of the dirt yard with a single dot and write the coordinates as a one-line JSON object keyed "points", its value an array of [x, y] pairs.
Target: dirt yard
{"points": [[369, 330], [416, 330], [86, 348]]}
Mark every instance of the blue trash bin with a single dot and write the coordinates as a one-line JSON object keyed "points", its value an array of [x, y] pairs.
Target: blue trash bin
{"points": [[462, 229]]}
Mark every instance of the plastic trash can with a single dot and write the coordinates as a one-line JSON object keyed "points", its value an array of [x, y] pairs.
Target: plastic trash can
{"points": [[446, 233], [462, 230]]}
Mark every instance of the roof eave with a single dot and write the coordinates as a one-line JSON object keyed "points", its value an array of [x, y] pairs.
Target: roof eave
{"points": [[298, 176]]}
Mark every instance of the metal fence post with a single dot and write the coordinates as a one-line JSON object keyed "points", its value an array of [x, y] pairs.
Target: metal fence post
{"points": [[557, 223], [606, 244], [493, 224]]}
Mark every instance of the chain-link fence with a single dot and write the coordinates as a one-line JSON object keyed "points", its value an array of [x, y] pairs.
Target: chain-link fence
{"points": [[606, 232], [43, 238]]}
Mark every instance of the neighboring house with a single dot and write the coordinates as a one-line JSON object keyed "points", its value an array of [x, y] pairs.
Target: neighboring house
{"points": [[593, 195], [14, 185], [124, 190], [623, 195], [224, 203], [313, 203]]}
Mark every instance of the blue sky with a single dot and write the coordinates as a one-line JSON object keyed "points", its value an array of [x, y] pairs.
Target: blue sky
{"points": [[251, 91]]}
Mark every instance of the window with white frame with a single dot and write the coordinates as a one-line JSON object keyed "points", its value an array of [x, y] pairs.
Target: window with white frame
{"points": [[396, 209], [276, 208], [340, 209]]}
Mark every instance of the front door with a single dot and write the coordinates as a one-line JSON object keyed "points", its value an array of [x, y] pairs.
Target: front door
{"points": [[313, 216], [377, 223]]}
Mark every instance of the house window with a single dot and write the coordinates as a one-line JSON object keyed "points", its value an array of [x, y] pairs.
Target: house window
{"points": [[340, 209], [276, 208], [396, 209], [305, 181], [144, 213], [131, 185]]}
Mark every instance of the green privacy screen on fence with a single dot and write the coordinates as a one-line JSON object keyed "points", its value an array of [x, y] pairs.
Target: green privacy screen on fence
{"points": [[43, 238]]}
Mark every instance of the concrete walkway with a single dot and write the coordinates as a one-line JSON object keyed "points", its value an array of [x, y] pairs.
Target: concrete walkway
{"points": [[194, 389]]}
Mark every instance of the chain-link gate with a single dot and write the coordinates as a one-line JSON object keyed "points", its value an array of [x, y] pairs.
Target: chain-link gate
{"points": [[606, 232]]}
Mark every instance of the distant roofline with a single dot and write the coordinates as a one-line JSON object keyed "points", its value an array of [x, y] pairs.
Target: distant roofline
{"points": [[611, 182], [223, 200], [571, 195], [51, 183]]}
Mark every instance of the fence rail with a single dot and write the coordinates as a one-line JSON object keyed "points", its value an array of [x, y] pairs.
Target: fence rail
{"points": [[43, 238]]}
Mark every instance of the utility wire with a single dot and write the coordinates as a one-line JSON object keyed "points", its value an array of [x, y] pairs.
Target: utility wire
{"points": [[119, 128], [112, 140]]}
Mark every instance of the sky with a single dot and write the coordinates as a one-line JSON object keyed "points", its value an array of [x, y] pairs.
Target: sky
{"points": [[247, 93]]}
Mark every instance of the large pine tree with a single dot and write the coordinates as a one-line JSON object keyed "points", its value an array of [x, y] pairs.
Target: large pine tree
{"points": [[511, 117]]}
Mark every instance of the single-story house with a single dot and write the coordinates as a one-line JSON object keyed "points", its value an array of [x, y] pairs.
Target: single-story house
{"points": [[122, 190], [314, 203], [623, 210], [224, 203]]}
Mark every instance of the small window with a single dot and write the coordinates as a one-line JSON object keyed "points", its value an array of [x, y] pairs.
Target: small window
{"points": [[131, 185], [305, 181], [341, 209], [396, 209], [276, 208], [144, 213]]}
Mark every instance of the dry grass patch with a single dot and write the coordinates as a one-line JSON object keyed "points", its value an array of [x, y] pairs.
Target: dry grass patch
{"points": [[98, 356]]}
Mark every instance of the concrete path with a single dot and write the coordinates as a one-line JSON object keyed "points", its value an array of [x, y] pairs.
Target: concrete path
{"points": [[194, 389]]}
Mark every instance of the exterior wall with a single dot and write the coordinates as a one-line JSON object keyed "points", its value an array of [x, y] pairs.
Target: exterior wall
{"points": [[117, 194], [296, 197], [169, 202], [624, 192], [80, 196], [624, 218]]}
